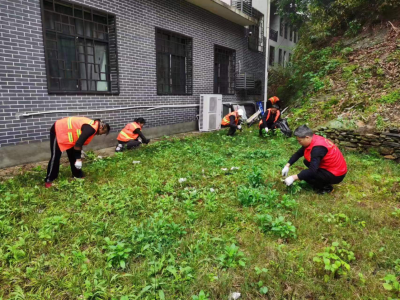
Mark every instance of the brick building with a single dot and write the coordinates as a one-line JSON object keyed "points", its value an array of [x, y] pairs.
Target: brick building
{"points": [[114, 60]]}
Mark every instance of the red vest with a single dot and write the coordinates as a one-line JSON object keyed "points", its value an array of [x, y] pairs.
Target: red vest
{"points": [[278, 113], [69, 129], [226, 120], [127, 134], [333, 161]]}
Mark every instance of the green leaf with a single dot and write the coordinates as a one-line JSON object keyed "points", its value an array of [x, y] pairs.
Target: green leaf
{"points": [[161, 294], [264, 290], [387, 286], [122, 264], [242, 263]]}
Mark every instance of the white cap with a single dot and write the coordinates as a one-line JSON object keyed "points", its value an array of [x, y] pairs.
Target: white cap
{"points": [[240, 112]]}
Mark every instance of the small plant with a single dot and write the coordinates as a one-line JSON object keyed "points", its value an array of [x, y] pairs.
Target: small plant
{"points": [[287, 203], [232, 257], [391, 283], [201, 296], [250, 196], [259, 272], [339, 219], [391, 98], [335, 261], [117, 253], [278, 226], [255, 178], [354, 28], [347, 51]]}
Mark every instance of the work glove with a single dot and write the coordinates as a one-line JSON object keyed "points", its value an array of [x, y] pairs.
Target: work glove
{"points": [[266, 129], [285, 171], [78, 164], [140, 140], [240, 127], [289, 181]]}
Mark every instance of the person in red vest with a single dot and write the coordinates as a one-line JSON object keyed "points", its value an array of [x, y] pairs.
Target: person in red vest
{"points": [[233, 121], [271, 116], [132, 135], [70, 134], [325, 162], [273, 101]]}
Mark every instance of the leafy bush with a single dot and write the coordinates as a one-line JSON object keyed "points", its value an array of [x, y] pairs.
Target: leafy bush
{"points": [[390, 98], [334, 261], [232, 257], [391, 283], [276, 226], [117, 253], [200, 296], [255, 177]]}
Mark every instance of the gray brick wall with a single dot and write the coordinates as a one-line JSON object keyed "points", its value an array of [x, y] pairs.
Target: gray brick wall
{"points": [[23, 84]]}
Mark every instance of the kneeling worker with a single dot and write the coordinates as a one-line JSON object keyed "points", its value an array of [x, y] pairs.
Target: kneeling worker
{"points": [[70, 134], [325, 162], [233, 121], [131, 135], [271, 116]]}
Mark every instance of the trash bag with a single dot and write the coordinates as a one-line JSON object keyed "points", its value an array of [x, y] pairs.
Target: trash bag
{"points": [[284, 127]]}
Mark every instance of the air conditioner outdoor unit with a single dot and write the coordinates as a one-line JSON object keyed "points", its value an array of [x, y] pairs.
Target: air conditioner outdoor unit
{"points": [[210, 112]]}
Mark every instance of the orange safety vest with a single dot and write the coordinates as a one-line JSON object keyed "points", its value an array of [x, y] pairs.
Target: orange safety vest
{"points": [[273, 99], [226, 119], [69, 129], [333, 161], [278, 113], [127, 134]]}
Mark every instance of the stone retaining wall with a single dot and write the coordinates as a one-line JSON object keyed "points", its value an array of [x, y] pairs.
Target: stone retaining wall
{"points": [[386, 144]]}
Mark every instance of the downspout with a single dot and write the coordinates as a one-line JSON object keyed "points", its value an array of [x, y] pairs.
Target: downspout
{"points": [[268, 14]]}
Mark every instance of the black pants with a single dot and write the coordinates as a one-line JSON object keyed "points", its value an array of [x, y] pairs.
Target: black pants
{"points": [[323, 178], [232, 129], [131, 144], [53, 167]]}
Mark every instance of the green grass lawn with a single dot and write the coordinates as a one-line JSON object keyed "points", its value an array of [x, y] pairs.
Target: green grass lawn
{"points": [[133, 231]]}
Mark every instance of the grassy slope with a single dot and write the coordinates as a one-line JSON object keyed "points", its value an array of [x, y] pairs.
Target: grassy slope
{"points": [[364, 86], [53, 241]]}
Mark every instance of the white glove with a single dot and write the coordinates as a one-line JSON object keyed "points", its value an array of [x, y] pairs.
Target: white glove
{"points": [[240, 127], [285, 171], [266, 129], [289, 181], [140, 140], [78, 164]]}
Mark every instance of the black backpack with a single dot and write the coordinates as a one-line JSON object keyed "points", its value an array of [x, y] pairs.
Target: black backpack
{"points": [[283, 125]]}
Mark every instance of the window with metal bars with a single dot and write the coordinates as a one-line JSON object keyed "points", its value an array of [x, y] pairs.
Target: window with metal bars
{"points": [[256, 39], [174, 63], [80, 49], [224, 70]]}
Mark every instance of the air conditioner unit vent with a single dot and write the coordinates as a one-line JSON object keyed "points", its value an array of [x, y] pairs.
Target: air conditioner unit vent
{"points": [[210, 112]]}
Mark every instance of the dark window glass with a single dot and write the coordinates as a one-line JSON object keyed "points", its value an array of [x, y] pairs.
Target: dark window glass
{"points": [[280, 57], [224, 70], [174, 63], [80, 49], [271, 55]]}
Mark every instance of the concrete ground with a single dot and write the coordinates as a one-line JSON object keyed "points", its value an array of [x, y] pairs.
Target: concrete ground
{"points": [[8, 173]]}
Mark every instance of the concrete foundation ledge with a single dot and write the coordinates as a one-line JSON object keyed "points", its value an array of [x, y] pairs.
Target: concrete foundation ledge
{"points": [[28, 153]]}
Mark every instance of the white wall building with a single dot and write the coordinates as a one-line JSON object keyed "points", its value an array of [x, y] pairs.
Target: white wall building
{"points": [[282, 40]]}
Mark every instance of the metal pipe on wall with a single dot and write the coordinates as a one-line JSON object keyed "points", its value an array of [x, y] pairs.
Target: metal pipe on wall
{"points": [[268, 14]]}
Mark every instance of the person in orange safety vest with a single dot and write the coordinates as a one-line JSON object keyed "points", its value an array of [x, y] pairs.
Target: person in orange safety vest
{"points": [[132, 135], [70, 134], [326, 164], [273, 101], [233, 121], [271, 116]]}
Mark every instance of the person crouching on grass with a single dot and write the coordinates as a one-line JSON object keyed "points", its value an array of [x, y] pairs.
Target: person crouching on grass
{"points": [[268, 121], [326, 164], [131, 136], [70, 134]]}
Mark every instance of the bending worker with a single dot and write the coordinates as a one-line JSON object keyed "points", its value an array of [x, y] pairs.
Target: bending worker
{"points": [[233, 121], [271, 116], [273, 101], [70, 134], [325, 162], [131, 135]]}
